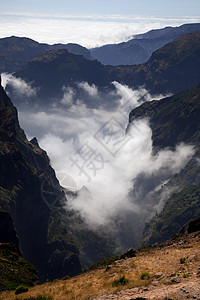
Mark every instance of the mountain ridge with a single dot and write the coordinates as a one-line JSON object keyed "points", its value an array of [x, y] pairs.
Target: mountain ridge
{"points": [[139, 49], [172, 68], [15, 52]]}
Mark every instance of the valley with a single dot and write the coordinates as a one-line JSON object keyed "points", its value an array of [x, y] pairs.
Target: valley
{"points": [[100, 153]]}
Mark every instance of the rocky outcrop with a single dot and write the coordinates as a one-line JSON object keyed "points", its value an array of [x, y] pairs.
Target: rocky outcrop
{"points": [[191, 226]]}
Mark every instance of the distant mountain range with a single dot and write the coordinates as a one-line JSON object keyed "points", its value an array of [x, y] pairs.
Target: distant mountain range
{"points": [[139, 49], [15, 52], [174, 67]]}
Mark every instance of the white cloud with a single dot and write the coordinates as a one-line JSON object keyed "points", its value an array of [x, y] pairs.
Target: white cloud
{"points": [[90, 147], [87, 30], [92, 90], [20, 87], [68, 96]]}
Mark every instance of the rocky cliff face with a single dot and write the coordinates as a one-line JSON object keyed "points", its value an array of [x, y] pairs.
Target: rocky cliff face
{"points": [[28, 189], [52, 237], [174, 120]]}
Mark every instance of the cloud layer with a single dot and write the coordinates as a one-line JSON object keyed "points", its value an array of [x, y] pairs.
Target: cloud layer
{"points": [[19, 86], [87, 30], [112, 171]]}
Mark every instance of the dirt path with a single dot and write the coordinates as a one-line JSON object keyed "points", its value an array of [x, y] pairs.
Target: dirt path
{"points": [[189, 289]]}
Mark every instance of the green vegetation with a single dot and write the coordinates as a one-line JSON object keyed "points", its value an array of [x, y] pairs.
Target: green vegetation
{"points": [[145, 276], [14, 270], [66, 277], [179, 209], [121, 281], [185, 275], [21, 289], [184, 260]]}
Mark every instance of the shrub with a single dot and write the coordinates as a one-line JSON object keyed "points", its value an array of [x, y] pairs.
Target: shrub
{"points": [[185, 275], [184, 260], [122, 280], [145, 275], [66, 277], [21, 289]]}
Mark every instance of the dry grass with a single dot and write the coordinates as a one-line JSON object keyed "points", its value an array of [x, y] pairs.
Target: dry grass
{"points": [[99, 282]]}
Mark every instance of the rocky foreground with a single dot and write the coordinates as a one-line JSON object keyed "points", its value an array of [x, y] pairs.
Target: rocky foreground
{"points": [[167, 271]]}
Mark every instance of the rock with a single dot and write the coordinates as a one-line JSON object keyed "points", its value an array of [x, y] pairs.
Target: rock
{"points": [[107, 268], [158, 275], [191, 226], [130, 253], [34, 141], [176, 279]]}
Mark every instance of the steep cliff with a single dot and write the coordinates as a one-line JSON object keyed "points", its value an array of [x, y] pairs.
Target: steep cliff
{"points": [[28, 191], [52, 237], [174, 120]]}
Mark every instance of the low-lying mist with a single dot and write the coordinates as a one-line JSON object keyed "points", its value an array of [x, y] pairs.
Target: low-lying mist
{"points": [[115, 174]]}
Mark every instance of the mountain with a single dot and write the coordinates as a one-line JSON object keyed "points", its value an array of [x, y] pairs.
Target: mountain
{"points": [[178, 210], [173, 68], [15, 52], [178, 112], [175, 120], [28, 189], [52, 237], [51, 71], [139, 49], [14, 269]]}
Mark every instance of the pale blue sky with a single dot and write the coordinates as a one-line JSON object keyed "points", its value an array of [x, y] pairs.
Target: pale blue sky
{"points": [[161, 8], [92, 22]]}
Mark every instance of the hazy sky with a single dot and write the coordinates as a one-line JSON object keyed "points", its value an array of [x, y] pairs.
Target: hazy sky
{"points": [[92, 22]]}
